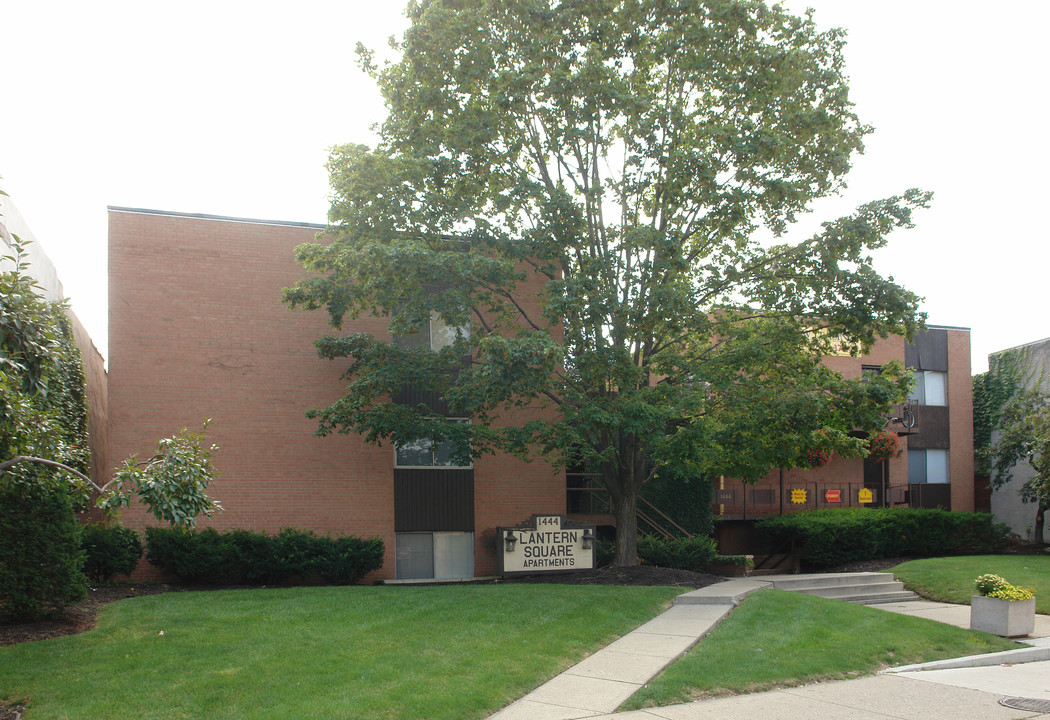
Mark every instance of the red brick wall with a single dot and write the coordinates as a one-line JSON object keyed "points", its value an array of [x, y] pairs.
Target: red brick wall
{"points": [[960, 418], [841, 470], [198, 330]]}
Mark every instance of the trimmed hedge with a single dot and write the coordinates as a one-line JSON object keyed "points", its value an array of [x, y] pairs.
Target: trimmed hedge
{"points": [[833, 537], [109, 550], [243, 557], [693, 553], [40, 558]]}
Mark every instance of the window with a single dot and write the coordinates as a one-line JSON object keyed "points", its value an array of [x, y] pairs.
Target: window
{"points": [[425, 453], [928, 466], [439, 555], [931, 387], [435, 334]]}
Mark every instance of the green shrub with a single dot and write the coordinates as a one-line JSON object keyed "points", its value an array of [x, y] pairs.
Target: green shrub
{"points": [[109, 550], [684, 498], [239, 557], [40, 557], [833, 537], [693, 553], [345, 560], [604, 552]]}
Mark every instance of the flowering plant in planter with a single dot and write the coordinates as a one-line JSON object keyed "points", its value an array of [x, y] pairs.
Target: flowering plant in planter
{"points": [[883, 446], [994, 586]]}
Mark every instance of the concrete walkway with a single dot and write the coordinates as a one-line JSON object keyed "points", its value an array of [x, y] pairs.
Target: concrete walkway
{"points": [[961, 689]]}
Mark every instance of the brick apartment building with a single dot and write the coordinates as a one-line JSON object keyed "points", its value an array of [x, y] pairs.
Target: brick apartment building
{"points": [[198, 330]]}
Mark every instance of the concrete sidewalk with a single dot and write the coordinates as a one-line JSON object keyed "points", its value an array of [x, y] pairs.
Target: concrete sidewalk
{"points": [[602, 682], [960, 689]]}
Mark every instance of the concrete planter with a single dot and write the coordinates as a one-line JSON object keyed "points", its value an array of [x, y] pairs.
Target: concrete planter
{"points": [[1007, 618]]}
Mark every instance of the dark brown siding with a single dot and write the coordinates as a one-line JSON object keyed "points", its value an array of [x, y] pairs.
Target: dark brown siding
{"points": [[412, 396], [929, 351], [433, 500], [932, 426]]}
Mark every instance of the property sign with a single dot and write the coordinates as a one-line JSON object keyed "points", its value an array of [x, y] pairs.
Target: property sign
{"points": [[547, 544], [798, 496], [833, 496], [865, 496]]}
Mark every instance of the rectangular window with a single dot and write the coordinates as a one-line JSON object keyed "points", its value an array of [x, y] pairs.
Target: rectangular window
{"points": [[438, 555], [928, 466], [435, 334], [425, 453], [931, 388]]}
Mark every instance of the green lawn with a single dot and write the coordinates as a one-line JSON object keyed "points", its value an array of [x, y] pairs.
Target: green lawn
{"points": [[361, 652], [776, 639], [951, 579]]}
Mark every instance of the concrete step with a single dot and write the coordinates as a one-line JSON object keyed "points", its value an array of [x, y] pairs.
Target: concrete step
{"points": [[791, 582], [840, 591], [859, 588], [901, 596]]}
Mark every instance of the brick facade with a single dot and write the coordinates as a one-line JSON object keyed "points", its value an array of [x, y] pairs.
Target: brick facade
{"points": [[198, 330]]}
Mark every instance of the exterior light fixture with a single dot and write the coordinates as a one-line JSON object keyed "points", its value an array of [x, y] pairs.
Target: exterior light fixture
{"points": [[588, 539], [510, 540]]}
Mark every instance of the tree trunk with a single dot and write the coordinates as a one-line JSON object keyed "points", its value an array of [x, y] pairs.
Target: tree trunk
{"points": [[625, 508], [1037, 529]]}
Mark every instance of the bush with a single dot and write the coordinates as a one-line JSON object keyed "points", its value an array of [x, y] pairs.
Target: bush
{"points": [[244, 557], [685, 499], [108, 551], [693, 553], [40, 557], [833, 537], [345, 560]]}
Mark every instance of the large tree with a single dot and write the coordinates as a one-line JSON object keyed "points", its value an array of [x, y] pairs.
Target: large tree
{"points": [[588, 199], [1012, 429]]}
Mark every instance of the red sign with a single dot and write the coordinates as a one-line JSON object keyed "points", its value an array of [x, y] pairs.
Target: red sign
{"points": [[833, 496]]}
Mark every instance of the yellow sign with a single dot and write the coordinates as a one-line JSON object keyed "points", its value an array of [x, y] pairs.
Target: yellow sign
{"points": [[798, 497], [865, 496]]}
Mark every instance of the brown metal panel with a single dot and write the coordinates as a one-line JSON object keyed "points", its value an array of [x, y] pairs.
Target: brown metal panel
{"points": [[930, 495], [929, 351], [911, 356], [411, 396], [433, 500], [932, 426]]}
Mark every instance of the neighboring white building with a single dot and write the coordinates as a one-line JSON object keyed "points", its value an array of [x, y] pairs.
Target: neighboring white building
{"points": [[40, 266], [1006, 503]]}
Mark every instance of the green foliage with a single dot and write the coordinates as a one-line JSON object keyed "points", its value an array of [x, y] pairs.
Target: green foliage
{"points": [[239, 557], [685, 500], [992, 390], [172, 484], [693, 553], [43, 412], [1024, 439], [827, 538], [109, 550], [40, 558], [607, 168]]}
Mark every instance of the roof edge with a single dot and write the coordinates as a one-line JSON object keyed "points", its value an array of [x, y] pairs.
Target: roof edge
{"points": [[219, 218]]}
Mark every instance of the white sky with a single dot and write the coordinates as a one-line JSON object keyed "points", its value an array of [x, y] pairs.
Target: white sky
{"points": [[227, 108]]}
